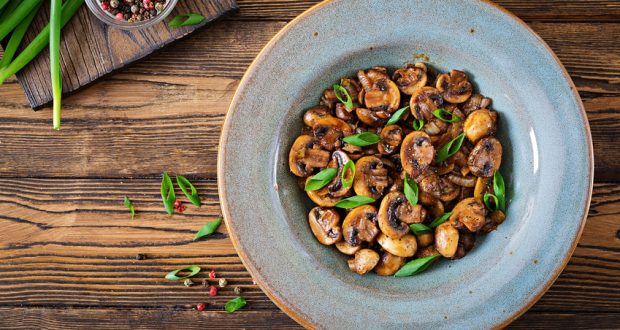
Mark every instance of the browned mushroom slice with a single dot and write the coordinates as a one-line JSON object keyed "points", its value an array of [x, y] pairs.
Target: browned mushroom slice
{"points": [[367, 78], [486, 157], [395, 213], [389, 264], [360, 225], [372, 118], [428, 251], [384, 96], [424, 101], [463, 181], [325, 225], [329, 99], [391, 137], [330, 130], [454, 87], [446, 239], [306, 154], [482, 186], [314, 114], [343, 113], [425, 239], [416, 153], [475, 102], [347, 248], [364, 261], [469, 213], [405, 247], [352, 86], [323, 197], [371, 178], [410, 78], [479, 124]]}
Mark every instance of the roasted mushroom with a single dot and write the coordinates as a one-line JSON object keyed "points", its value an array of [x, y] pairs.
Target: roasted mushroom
{"points": [[325, 225], [347, 248], [395, 213], [424, 101], [446, 239], [479, 124], [389, 264], [360, 225], [454, 87], [364, 261], [371, 178], [372, 118], [475, 102], [306, 154], [323, 197], [329, 131], [391, 137], [486, 157], [425, 239], [335, 187], [329, 99], [410, 78], [343, 113], [428, 251], [406, 246], [469, 213], [416, 153], [314, 114], [380, 93]]}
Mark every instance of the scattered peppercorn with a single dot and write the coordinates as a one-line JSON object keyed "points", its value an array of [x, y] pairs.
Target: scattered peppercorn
{"points": [[135, 11], [223, 282], [213, 291], [178, 205], [205, 282], [212, 274], [140, 256], [188, 282], [238, 290], [200, 307]]}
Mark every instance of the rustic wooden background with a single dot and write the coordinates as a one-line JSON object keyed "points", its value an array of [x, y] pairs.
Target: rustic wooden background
{"points": [[67, 245]]}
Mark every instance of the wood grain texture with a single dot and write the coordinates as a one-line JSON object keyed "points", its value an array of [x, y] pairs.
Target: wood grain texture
{"points": [[90, 49]]}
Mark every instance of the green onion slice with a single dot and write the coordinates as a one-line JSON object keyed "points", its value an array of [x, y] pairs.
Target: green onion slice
{"points": [[396, 116], [440, 219], [349, 165], [129, 204], [355, 201], [186, 20], [500, 190], [416, 266], [487, 201], [419, 228], [234, 305], [418, 124], [449, 148], [321, 179], [446, 116], [411, 190], [208, 229], [167, 193], [191, 195], [362, 139], [174, 277], [342, 92]]}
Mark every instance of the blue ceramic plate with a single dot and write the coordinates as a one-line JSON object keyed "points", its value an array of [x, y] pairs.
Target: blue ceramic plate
{"points": [[547, 165]]}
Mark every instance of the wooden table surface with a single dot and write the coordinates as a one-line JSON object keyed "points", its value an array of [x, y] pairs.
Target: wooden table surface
{"points": [[68, 247]]}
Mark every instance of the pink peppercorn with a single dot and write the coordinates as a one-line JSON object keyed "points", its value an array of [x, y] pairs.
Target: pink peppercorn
{"points": [[104, 6], [213, 291], [120, 16], [200, 307], [177, 203], [212, 274]]}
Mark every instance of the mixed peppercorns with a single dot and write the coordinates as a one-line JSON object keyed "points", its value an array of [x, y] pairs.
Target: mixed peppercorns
{"points": [[133, 10]]}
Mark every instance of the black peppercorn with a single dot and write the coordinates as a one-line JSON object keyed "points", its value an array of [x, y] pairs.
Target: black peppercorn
{"points": [[140, 256]]}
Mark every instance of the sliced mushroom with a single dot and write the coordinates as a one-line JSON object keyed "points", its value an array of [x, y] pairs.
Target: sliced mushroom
{"points": [[424, 101], [406, 246], [352, 86], [389, 264], [323, 197], [364, 261], [416, 153], [343, 113], [329, 131], [371, 178], [335, 187], [446, 239], [425, 239], [391, 137], [479, 124], [463, 181], [325, 225], [372, 118], [482, 186], [486, 157], [410, 78], [469, 213], [329, 99], [475, 102], [428, 251], [380, 93], [306, 154], [347, 248], [394, 209], [314, 114], [454, 87], [368, 77], [435, 126], [360, 225]]}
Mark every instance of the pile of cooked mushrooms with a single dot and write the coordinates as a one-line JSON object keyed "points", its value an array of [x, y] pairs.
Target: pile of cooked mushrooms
{"points": [[404, 169]]}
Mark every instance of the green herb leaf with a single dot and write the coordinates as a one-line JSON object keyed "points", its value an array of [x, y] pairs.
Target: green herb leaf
{"points": [[234, 305], [418, 124], [129, 204], [416, 266], [193, 196], [500, 190], [419, 228], [396, 116], [208, 229], [340, 93], [349, 165], [487, 201], [355, 201], [167, 193], [321, 179], [411, 190], [173, 274], [446, 116], [449, 148], [186, 20], [440, 219], [362, 139]]}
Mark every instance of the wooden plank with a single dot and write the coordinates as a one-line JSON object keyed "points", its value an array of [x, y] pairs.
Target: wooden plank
{"points": [[70, 242], [90, 49], [586, 321], [182, 97]]}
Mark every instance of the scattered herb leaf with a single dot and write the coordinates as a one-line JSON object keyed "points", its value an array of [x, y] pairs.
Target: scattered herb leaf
{"points": [[193, 196], [186, 20], [449, 148], [396, 116], [419, 228], [487, 201], [129, 204], [446, 116], [418, 124], [411, 190], [208, 229], [234, 305], [349, 165], [362, 139], [340, 92], [416, 266], [173, 274], [321, 179], [354, 201], [440, 219], [167, 193], [500, 190]]}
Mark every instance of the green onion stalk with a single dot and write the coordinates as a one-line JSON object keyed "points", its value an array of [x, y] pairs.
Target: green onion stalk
{"points": [[8, 9], [16, 38], [15, 17], [55, 26]]}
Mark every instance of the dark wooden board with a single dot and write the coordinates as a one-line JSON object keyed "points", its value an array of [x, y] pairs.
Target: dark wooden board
{"points": [[91, 49]]}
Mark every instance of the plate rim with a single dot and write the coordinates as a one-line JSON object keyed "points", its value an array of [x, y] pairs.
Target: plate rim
{"points": [[221, 178]]}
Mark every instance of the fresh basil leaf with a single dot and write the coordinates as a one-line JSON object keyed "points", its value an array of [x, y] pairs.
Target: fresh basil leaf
{"points": [[167, 193], [355, 201], [173, 274], [186, 20], [419, 228], [487, 201], [321, 179], [208, 229], [446, 116], [349, 165], [129, 204], [193, 195], [440, 219], [396, 116], [416, 266], [500, 190], [449, 148], [418, 124], [340, 92], [362, 139], [411, 190], [234, 305]]}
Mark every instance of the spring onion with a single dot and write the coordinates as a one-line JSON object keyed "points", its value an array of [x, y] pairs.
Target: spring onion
{"points": [[55, 71], [355, 201], [192, 194], [341, 92], [129, 204], [446, 116], [416, 266], [411, 190], [167, 193], [487, 202], [174, 277], [16, 38], [419, 228], [418, 124], [349, 165], [208, 229], [234, 305], [320, 179], [500, 190], [450, 148], [9, 22], [440, 219], [396, 116], [362, 139]]}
